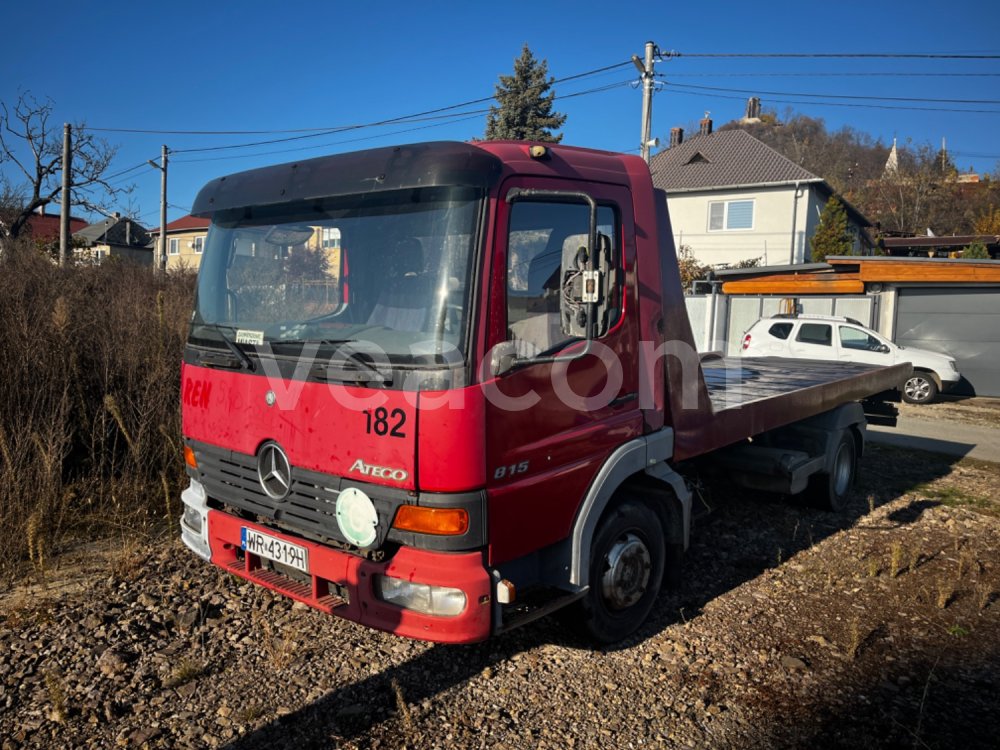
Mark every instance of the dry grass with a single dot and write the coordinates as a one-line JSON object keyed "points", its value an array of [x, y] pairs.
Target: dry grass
{"points": [[89, 417], [895, 559], [281, 649], [184, 671], [402, 708], [945, 593], [58, 702]]}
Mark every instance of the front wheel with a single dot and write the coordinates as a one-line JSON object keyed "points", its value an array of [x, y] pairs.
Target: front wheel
{"points": [[626, 571], [919, 388]]}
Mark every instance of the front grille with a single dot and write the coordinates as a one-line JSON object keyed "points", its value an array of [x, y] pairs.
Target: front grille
{"points": [[311, 504]]}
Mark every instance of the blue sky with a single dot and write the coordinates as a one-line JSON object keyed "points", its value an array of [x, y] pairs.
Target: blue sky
{"points": [[279, 66]]}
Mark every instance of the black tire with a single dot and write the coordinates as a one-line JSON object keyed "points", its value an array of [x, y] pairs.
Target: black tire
{"points": [[830, 490], [626, 571], [919, 388]]}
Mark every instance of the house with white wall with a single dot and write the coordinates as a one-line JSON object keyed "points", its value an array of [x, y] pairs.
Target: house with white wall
{"points": [[732, 198]]}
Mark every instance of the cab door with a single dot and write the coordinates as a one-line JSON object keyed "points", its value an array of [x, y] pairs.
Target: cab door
{"points": [[552, 424]]}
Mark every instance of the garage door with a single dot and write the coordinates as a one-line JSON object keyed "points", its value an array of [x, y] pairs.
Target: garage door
{"points": [[964, 323]]}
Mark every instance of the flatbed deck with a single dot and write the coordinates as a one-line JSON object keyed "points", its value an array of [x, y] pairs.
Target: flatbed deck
{"points": [[749, 396]]}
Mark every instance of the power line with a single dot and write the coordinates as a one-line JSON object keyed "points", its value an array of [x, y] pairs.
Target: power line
{"points": [[454, 118], [974, 155], [132, 177], [126, 171], [326, 130], [841, 96], [854, 105], [834, 55], [828, 74], [322, 145]]}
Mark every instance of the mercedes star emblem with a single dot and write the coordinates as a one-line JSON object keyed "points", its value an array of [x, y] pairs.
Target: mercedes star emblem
{"points": [[274, 471]]}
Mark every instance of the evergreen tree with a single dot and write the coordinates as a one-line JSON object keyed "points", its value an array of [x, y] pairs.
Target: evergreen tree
{"points": [[524, 104], [976, 251], [832, 237]]}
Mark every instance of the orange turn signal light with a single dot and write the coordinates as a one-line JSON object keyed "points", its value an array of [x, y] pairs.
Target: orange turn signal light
{"points": [[441, 521], [189, 458]]}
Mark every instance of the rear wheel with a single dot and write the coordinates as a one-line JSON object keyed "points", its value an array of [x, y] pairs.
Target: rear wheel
{"points": [[919, 388], [626, 571], [829, 490]]}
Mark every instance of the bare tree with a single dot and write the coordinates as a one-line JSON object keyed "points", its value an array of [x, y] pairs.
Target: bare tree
{"points": [[29, 142]]}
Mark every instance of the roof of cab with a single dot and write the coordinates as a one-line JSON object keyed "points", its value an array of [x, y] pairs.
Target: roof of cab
{"points": [[440, 163]]}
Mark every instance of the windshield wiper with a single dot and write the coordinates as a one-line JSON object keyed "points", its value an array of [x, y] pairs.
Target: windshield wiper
{"points": [[339, 373], [241, 355]]}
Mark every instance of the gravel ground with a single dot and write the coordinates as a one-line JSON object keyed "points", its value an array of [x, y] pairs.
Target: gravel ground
{"points": [[793, 628], [984, 412]]}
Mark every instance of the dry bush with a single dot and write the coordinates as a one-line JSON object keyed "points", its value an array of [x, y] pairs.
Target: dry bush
{"points": [[89, 416]]}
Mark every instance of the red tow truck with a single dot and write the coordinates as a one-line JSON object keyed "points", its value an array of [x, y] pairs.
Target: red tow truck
{"points": [[446, 388]]}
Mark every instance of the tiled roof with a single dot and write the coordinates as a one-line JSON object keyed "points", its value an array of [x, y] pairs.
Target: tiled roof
{"points": [[722, 159], [46, 226], [114, 232], [184, 224]]}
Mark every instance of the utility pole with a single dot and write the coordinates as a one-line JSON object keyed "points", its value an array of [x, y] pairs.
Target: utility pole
{"points": [[645, 68], [160, 262], [67, 168]]}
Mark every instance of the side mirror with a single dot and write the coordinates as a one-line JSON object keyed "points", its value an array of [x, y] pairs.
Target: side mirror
{"points": [[883, 349], [503, 358]]}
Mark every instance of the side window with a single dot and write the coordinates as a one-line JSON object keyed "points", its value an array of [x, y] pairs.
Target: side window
{"points": [[730, 215], [852, 338], [815, 333], [780, 330], [546, 252]]}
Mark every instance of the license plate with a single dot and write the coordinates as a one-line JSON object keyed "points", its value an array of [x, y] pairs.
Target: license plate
{"points": [[278, 550]]}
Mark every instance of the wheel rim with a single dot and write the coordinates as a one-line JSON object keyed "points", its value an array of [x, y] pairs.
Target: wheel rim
{"points": [[917, 389], [627, 569], [842, 470]]}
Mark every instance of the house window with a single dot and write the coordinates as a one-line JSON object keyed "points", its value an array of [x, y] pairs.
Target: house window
{"points": [[199, 245], [175, 246], [728, 215], [331, 238]]}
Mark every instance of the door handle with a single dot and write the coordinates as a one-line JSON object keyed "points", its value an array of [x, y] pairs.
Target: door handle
{"points": [[623, 399]]}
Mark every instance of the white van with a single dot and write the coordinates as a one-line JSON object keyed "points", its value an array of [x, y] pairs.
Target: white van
{"points": [[833, 338]]}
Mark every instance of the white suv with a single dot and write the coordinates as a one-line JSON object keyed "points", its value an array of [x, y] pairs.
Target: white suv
{"points": [[832, 338]]}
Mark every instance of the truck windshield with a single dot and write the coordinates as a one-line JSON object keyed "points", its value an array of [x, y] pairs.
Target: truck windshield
{"points": [[388, 272]]}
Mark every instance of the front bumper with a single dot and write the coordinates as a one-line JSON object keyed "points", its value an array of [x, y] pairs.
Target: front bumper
{"points": [[342, 584]]}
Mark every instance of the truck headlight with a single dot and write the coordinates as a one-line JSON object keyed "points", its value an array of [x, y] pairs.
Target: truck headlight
{"points": [[192, 519], [421, 597]]}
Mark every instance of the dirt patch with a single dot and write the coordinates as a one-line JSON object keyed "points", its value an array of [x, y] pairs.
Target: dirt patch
{"points": [[984, 412], [960, 483]]}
